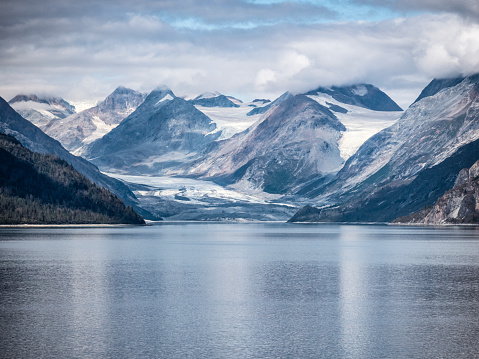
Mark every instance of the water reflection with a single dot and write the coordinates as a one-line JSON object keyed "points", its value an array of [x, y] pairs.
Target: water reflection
{"points": [[354, 286], [216, 291]]}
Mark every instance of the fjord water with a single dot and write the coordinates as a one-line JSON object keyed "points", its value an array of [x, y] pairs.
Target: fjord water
{"points": [[239, 291]]}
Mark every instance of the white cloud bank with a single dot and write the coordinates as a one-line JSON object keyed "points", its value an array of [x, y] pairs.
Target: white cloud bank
{"points": [[86, 57]]}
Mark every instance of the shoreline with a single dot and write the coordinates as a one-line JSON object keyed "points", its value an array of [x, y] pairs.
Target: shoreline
{"points": [[68, 225]]}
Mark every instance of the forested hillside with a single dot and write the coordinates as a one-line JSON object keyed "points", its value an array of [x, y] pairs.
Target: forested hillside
{"points": [[43, 189]]}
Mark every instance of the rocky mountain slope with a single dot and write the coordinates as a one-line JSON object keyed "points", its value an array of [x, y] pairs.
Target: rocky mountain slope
{"points": [[396, 171], [164, 131], [43, 189], [298, 139], [459, 205], [41, 110], [82, 128]]}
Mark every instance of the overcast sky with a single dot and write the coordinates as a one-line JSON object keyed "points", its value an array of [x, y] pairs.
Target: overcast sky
{"points": [[83, 50]]}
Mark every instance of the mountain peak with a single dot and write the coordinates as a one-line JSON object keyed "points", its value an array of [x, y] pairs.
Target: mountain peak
{"points": [[213, 99], [122, 90], [363, 95], [263, 109], [162, 88]]}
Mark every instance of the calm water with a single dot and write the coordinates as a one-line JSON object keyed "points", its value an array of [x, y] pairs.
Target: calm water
{"points": [[239, 291]]}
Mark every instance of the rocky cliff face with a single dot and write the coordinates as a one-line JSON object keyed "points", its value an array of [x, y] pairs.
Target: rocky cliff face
{"points": [[459, 205]]}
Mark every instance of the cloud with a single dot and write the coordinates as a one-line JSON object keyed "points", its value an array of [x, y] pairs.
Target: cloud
{"points": [[217, 13], [86, 51], [464, 8]]}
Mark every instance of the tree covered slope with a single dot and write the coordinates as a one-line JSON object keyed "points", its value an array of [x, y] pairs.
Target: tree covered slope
{"points": [[44, 189]]}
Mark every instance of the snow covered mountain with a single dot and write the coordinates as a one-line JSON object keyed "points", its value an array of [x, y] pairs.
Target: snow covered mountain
{"points": [[164, 131], [84, 127], [361, 119], [41, 110], [363, 95], [293, 142], [298, 139], [11, 123], [411, 163]]}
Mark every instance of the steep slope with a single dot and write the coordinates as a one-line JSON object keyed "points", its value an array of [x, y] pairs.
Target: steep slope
{"points": [[404, 167], [34, 139], [41, 110], [164, 131], [298, 139], [84, 127], [42, 189], [459, 205]]}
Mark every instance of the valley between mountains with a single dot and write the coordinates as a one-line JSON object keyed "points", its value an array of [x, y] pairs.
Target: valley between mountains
{"points": [[342, 154]]}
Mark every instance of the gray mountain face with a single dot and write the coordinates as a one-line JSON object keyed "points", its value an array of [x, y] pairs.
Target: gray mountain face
{"points": [[30, 136], [162, 132], [363, 95], [296, 140], [86, 126], [437, 85], [41, 110], [215, 101], [268, 104], [459, 205], [407, 165]]}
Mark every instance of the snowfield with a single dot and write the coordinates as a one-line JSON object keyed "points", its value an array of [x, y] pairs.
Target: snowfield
{"points": [[230, 120], [361, 123], [191, 199], [193, 189]]}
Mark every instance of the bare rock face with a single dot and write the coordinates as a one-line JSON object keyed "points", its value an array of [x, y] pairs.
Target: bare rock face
{"points": [[460, 205]]}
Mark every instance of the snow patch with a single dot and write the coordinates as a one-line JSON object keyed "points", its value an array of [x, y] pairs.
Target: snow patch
{"points": [[168, 97], [359, 90], [101, 130]]}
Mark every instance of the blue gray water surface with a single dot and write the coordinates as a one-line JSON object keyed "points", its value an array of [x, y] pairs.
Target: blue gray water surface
{"points": [[239, 291]]}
